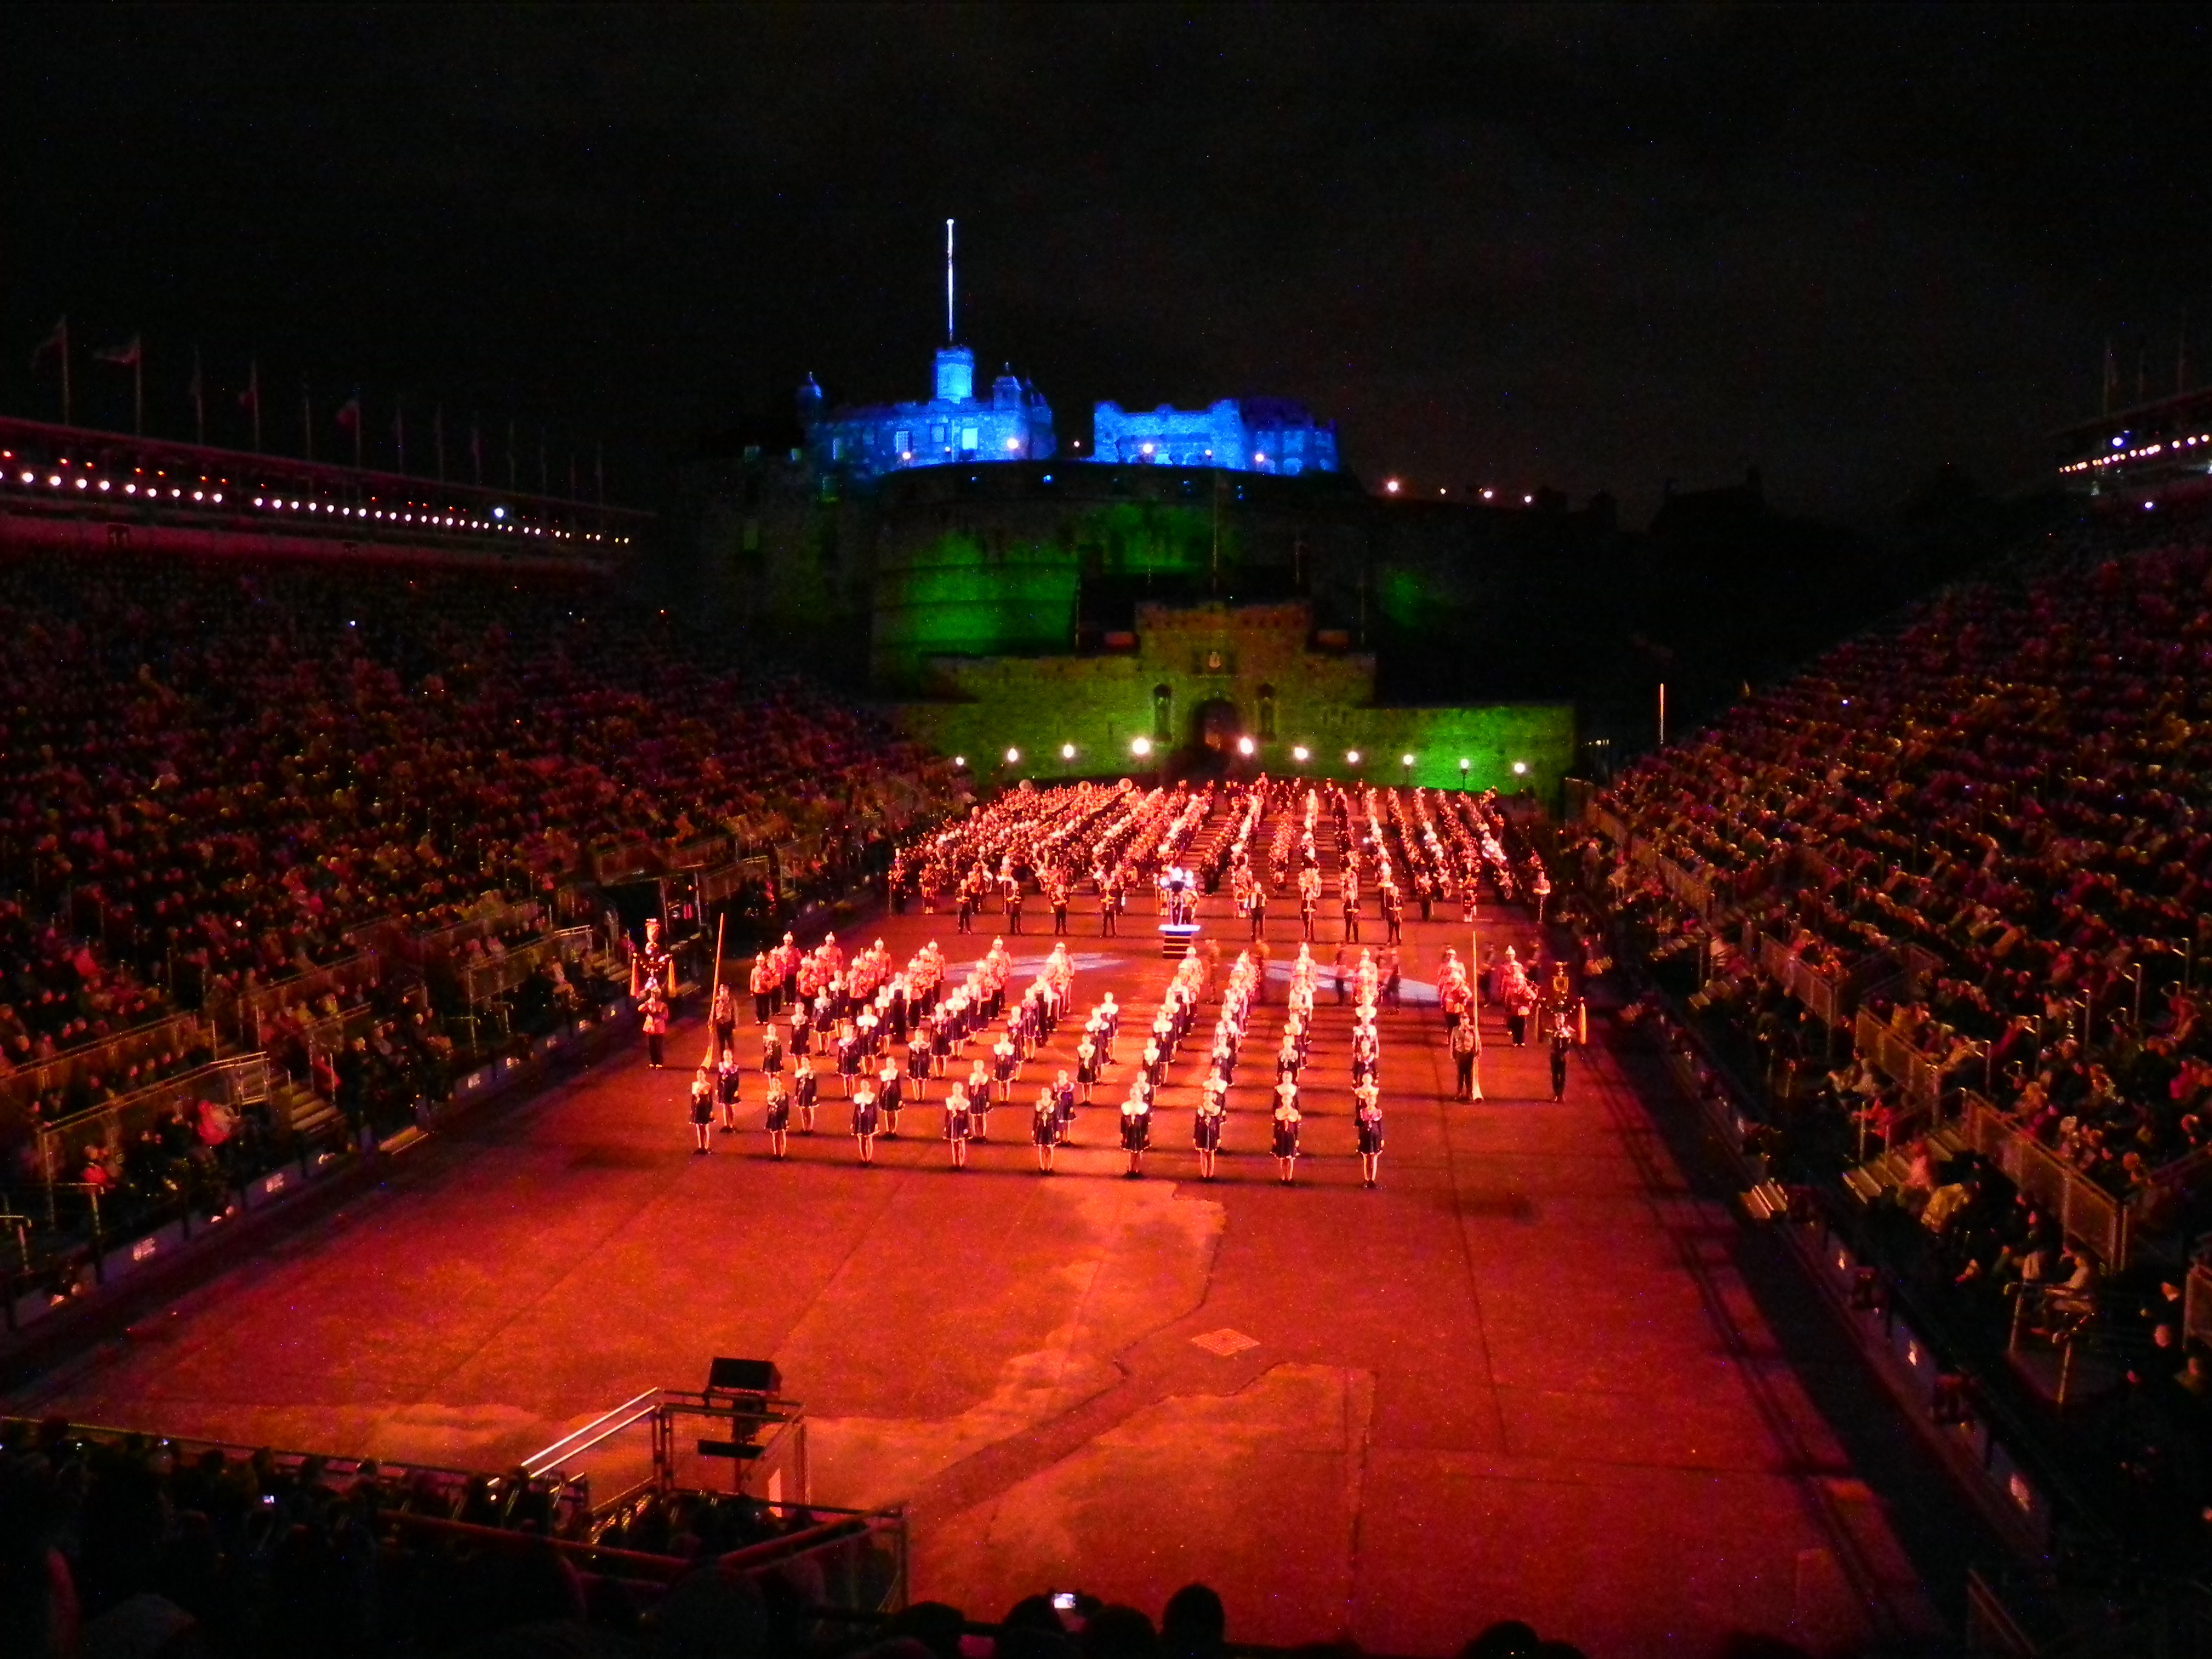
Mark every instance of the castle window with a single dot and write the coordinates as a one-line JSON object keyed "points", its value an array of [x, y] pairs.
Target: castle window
{"points": [[837, 449], [967, 436], [902, 441]]}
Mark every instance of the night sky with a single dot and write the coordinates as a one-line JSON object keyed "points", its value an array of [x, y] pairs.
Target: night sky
{"points": [[1586, 247]]}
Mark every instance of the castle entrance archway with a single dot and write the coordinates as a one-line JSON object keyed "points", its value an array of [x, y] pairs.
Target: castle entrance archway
{"points": [[1215, 726]]}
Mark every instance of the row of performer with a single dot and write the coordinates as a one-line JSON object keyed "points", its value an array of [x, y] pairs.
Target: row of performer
{"points": [[1052, 1120]]}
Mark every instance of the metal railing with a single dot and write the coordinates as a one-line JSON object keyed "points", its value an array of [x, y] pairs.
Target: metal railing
{"points": [[240, 1014], [1920, 1077], [108, 1058], [2091, 1217], [241, 1081], [487, 977]]}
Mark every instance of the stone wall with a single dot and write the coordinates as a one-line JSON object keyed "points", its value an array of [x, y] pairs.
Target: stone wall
{"points": [[1254, 668]]}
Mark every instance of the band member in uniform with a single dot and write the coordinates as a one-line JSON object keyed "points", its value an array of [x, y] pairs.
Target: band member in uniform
{"points": [[703, 1109], [725, 1091], [1206, 1130], [1564, 1019], [722, 1021], [778, 1121], [1013, 907], [865, 1121], [762, 982], [1466, 1045], [1256, 908], [804, 1092], [1136, 1127], [1044, 1128], [1286, 1131], [653, 1014], [958, 1121], [1367, 1122], [1059, 905], [1109, 903], [1308, 900]]}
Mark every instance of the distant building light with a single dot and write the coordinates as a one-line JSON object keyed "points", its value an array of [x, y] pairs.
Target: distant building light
{"points": [[1351, 756], [1391, 486], [1014, 756], [1244, 746], [1405, 759], [1487, 493], [1520, 769], [1067, 751], [1301, 754]]}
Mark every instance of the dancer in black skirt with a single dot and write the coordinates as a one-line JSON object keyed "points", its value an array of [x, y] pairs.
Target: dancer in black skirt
{"points": [[1206, 1130], [864, 1122], [1137, 1127], [917, 1061], [959, 1122], [703, 1109], [804, 1093], [889, 1097], [979, 1099], [778, 1122], [771, 1052], [1044, 1128], [1368, 1121], [1286, 1133], [1086, 1066], [725, 1091]]}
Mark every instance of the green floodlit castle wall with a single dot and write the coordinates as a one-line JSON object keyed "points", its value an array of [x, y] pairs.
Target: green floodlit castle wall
{"points": [[1006, 587], [1253, 667], [962, 596]]}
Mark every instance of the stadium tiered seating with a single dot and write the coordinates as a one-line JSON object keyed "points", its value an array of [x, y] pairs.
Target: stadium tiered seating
{"points": [[2013, 794]]}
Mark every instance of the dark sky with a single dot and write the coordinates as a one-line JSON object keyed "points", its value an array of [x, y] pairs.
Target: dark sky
{"points": [[1585, 246]]}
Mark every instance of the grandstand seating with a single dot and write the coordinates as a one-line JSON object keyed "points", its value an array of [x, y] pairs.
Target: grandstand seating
{"points": [[351, 822], [1932, 916]]}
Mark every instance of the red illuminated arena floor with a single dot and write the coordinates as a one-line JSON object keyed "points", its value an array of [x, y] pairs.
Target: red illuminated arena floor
{"points": [[1526, 1377]]}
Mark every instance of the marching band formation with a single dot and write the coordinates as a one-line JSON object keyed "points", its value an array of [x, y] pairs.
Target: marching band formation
{"points": [[886, 1032]]}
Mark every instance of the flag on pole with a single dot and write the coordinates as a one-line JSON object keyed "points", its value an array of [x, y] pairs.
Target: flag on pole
{"points": [[250, 398], [476, 446], [350, 416], [57, 341], [399, 429], [130, 355], [198, 389]]}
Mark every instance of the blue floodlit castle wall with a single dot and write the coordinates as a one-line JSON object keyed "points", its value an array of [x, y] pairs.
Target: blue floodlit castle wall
{"points": [[1013, 424], [1253, 434]]}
